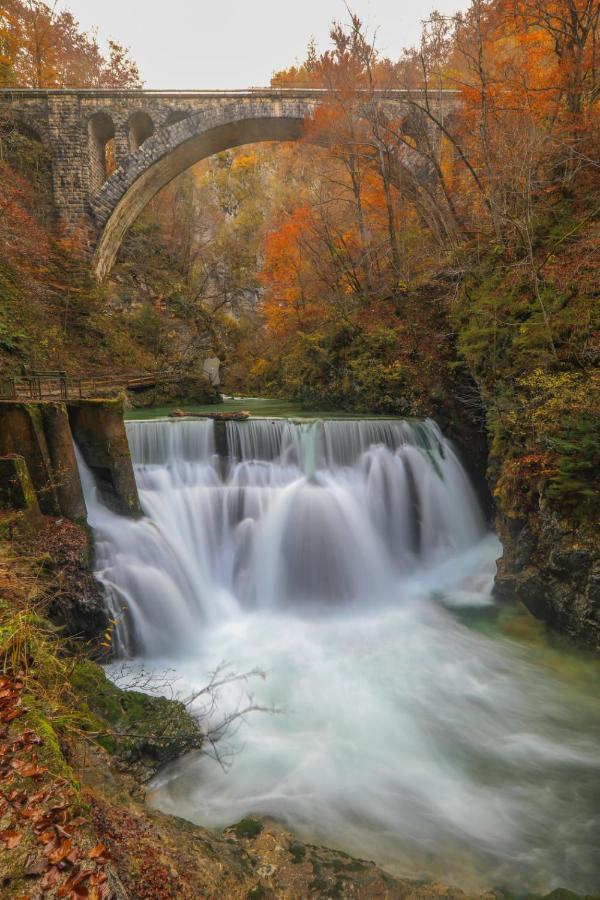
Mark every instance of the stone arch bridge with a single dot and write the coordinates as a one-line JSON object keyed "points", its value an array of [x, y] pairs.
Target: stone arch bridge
{"points": [[153, 136]]}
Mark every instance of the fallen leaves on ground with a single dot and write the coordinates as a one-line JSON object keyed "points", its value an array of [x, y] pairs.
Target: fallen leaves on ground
{"points": [[37, 812]]}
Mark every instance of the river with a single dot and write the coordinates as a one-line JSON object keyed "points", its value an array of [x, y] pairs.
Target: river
{"points": [[347, 566]]}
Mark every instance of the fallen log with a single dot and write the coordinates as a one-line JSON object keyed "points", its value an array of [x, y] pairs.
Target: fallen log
{"points": [[217, 416]]}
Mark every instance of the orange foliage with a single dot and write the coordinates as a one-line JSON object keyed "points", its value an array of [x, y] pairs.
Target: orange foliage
{"points": [[42, 47], [285, 273], [397, 196]]}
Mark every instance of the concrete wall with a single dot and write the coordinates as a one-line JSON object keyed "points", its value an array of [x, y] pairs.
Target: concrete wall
{"points": [[17, 493], [59, 439], [99, 431], [42, 434], [22, 433]]}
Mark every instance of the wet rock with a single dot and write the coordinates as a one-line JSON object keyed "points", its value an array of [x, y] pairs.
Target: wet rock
{"points": [[554, 571], [76, 602]]}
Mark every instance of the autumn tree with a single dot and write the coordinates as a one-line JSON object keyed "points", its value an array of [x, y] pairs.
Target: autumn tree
{"points": [[43, 47]]}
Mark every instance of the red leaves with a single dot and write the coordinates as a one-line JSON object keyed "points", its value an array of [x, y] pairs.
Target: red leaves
{"points": [[50, 879], [75, 884], [31, 738], [60, 851]]}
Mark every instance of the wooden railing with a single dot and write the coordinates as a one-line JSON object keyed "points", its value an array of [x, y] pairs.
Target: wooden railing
{"points": [[61, 386]]}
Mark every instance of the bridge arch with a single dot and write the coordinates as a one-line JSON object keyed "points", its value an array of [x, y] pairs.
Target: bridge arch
{"points": [[173, 149]]}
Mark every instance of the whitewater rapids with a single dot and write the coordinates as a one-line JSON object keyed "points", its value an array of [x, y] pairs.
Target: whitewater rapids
{"points": [[339, 559]]}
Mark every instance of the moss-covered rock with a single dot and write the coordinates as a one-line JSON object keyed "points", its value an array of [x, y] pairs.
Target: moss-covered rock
{"points": [[143, 732], [19, 507]]}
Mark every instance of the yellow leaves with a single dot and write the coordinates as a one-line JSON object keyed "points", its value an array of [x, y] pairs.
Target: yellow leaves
{"points": [[259, 367], [244, 161]]}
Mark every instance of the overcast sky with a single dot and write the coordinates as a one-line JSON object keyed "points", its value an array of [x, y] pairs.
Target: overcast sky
{"points": [[239, 43]]}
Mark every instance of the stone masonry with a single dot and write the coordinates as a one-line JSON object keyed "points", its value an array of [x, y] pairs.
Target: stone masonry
{"points": [[153, 136]]}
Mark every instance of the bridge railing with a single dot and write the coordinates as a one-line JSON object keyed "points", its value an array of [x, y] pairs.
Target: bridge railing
{"points": [[9, 93], [61, 386]]}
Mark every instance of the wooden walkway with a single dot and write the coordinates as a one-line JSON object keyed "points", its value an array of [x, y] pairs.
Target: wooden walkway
{"points": [[60, 386]]}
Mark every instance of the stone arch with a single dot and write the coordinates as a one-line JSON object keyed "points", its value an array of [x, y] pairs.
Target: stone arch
{"points": [[141, 127], [175, 116], [173, 149], [101, 134]]}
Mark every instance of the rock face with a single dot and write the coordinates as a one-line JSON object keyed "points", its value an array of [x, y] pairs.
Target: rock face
{"points": [[554, 571], [189, 389], [76, 601]]}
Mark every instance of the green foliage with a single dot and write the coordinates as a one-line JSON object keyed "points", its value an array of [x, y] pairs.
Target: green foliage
{"points": [[576, 484], [248, 828], [342, 367]]}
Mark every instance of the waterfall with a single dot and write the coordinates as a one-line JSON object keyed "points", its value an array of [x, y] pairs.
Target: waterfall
{"points": [[323, 514], [334, 556]]}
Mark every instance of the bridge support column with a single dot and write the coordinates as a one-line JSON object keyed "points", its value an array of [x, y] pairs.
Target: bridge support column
{"points": [[70, 164], [122, 144]]}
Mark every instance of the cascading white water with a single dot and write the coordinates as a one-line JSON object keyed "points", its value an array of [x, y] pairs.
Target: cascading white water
{"points": [[330, 554]]}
